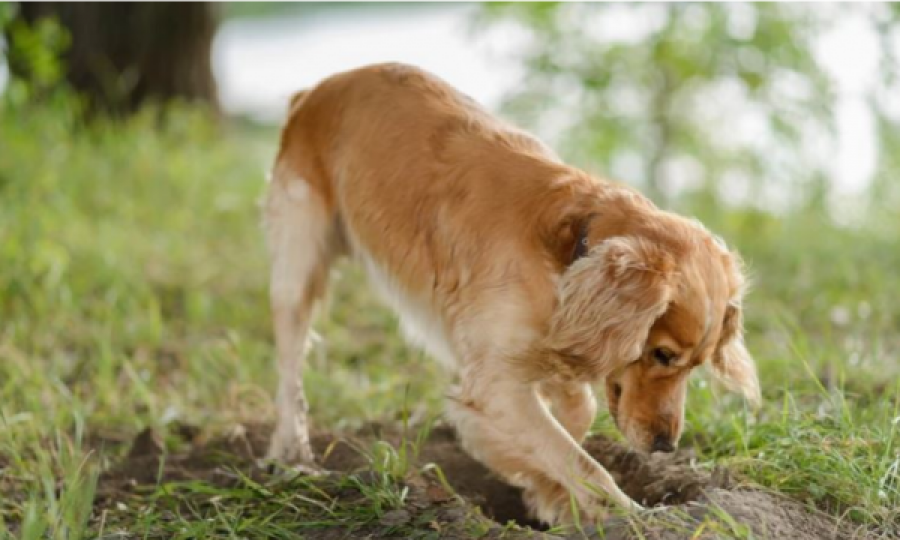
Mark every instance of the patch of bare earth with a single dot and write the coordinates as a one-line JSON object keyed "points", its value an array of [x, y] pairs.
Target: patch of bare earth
{"points": [[685, 501]]}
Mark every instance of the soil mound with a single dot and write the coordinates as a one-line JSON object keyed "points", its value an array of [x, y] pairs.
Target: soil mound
{"points": [[687, 501]]}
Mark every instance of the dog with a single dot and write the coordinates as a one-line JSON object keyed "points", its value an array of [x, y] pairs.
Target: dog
{"points": [[531, 279]]}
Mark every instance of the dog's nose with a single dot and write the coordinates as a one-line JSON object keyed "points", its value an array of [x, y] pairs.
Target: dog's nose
{"points": [[661, 444]]}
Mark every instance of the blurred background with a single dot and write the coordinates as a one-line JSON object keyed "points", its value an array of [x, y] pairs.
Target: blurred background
{"points": [[135, 138], [766, 105]]}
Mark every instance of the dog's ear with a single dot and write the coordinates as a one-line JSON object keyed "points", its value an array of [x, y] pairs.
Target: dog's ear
{"points": [[731, 362], [562, 241], [586, 216], [608, 301]]}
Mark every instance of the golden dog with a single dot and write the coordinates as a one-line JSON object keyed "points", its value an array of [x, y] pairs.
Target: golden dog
{"points": [[530, 278]]}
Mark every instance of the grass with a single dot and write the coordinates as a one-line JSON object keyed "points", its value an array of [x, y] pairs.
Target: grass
{"points": [[132, 294]]}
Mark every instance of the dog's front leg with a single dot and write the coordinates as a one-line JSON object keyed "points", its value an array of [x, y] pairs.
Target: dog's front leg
{"points": [[507, 426], [573, 405]]}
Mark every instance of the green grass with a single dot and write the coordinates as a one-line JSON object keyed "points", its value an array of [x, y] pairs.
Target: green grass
{"points": [[133, 294]]}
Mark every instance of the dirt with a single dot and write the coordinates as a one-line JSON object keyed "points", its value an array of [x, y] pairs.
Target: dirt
{"points": [[683, 497]]}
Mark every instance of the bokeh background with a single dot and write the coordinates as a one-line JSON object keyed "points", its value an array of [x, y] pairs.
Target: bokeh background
{"points": [[763, 104], [134, 144]]}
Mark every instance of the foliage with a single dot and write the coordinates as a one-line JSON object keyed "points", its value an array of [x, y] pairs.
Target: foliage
{"points": [[33, 56], [727, 97]]}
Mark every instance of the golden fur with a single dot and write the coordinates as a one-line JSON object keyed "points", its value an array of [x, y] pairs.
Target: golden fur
{"points": [[468, 227]]}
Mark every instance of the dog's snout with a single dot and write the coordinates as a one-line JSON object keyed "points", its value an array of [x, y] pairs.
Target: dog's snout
{"points": [[661, 443]]}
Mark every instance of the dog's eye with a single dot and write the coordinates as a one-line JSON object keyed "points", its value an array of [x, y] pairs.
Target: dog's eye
{"points": [[662, 356]]}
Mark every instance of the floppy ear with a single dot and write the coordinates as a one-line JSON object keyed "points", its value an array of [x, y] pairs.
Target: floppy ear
{"points": [[608, 300], [562, 240], [731, 363]]}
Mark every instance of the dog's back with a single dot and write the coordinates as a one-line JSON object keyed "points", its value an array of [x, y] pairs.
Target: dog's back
{"points": [[395, 137], [390, 110]]}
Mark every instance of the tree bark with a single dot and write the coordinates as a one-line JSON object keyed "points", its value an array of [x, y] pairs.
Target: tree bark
{"points": [[123, 55]]}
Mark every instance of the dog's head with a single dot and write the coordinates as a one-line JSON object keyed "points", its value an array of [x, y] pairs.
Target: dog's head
{"points": [[641, 309]]}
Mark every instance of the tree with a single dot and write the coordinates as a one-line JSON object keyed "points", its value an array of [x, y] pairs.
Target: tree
{"points": [[123, 55], [714, 94]]}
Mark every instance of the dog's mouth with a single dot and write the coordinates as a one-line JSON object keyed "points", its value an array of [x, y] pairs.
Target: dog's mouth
{"points": [[638, 438], [644, 441], [614, 393], [617, 391]]}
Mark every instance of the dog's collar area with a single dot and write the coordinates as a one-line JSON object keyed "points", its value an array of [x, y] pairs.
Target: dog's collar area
{"points": [[581, 243]]}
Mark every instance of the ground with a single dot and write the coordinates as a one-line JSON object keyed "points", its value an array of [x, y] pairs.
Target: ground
{"points": [[136, 368], [444, 494]]}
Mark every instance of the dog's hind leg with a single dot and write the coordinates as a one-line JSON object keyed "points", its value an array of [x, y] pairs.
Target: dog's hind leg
{"points": [[301, 238]]}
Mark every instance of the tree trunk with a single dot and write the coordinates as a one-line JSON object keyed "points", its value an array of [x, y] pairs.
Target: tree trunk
{"points": [[123, 55]]}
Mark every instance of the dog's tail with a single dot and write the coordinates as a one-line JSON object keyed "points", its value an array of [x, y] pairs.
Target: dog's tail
{"points": [[297, 100]]}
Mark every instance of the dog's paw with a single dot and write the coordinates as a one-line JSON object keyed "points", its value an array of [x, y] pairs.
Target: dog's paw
{"points": [[279, 468], [290, 446], [553, 505], [290, 457]]}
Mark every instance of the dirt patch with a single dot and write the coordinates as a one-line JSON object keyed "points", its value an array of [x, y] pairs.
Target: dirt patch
{"points": [[685, 498]]}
